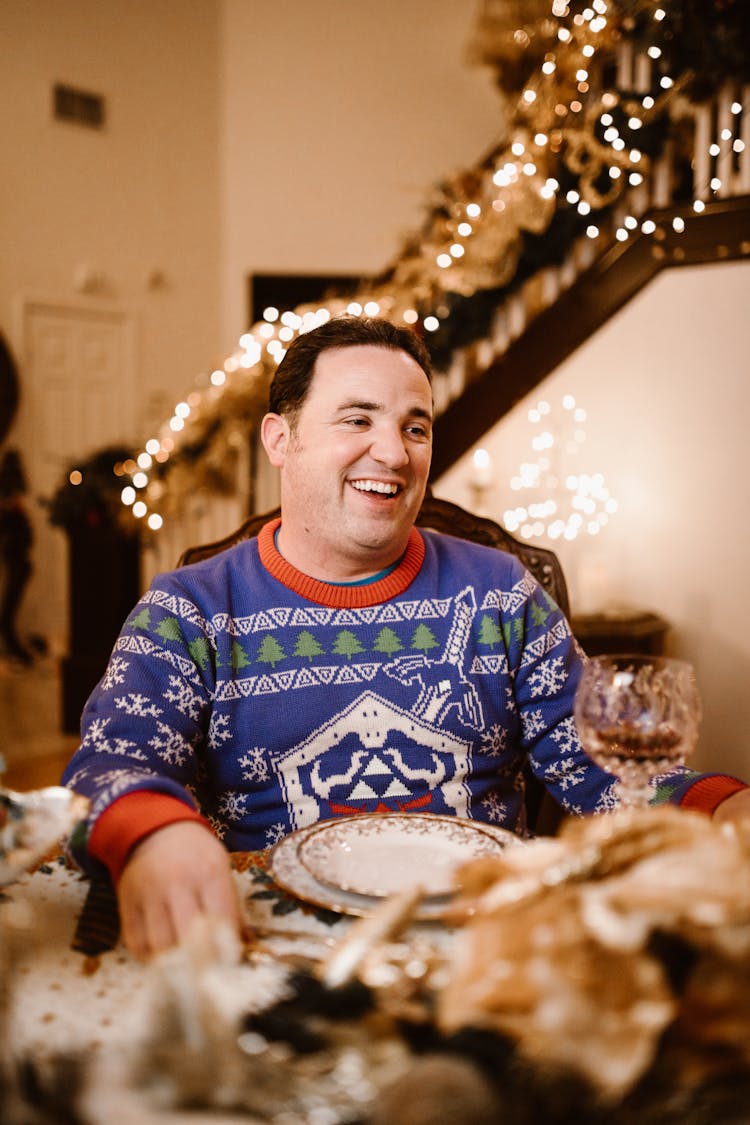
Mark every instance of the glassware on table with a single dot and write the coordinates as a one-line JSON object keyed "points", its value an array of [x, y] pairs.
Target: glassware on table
{"points": [[637, 716]]}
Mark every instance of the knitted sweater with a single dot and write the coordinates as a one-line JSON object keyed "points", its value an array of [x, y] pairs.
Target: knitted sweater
{"points": [[273, 700]]}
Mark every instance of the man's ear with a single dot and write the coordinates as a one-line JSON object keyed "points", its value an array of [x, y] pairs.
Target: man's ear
{"points": [[274, 433]]}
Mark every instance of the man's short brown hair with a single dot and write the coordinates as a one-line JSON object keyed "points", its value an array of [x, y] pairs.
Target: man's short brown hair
{"points": [[291, 382]]}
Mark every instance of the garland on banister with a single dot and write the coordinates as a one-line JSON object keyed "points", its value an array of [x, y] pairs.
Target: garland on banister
{"points": [[590, 92]]}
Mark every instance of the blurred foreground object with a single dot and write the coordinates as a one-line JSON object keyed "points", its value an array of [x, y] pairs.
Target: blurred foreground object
{"points": [[620, 948], [31, 824]]}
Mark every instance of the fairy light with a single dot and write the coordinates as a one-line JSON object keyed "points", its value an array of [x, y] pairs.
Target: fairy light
{"points": [[265, 344], [562, 503]]}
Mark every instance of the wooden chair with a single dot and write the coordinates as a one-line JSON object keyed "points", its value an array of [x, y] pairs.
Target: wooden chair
{"points": [[542, 813]]}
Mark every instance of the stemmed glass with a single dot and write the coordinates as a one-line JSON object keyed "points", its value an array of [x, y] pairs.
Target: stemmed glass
{"points": [[637, 716]]}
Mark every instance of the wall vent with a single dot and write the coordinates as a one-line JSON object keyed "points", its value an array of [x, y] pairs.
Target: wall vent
{"points": [[70, 104]]}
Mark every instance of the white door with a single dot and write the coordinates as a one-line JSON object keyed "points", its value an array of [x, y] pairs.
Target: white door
{"points": [[77, 396]]}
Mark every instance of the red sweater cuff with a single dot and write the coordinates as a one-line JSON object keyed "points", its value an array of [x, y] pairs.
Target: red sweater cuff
{"points": [[131, 818], [708, 793]]}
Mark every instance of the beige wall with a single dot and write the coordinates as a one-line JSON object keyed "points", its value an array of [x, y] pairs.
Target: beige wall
{"points": [[665, 385], [338, 118], [136, 205], [139, 197], [242, 136]]}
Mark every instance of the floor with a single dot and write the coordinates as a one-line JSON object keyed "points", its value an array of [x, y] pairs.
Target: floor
{"points": [[33, 748]]}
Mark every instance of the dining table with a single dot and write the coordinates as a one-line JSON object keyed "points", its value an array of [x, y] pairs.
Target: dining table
{"points": [[607, 969], [80, 1013]]}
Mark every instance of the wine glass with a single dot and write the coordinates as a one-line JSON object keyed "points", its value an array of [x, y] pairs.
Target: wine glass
{"points": [[637, 716]]}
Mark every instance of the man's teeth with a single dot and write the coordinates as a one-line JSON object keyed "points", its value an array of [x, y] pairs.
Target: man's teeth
{"points": [[375, 486]]}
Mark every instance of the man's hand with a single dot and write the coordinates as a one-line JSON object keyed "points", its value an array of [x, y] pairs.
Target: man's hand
{"points": [[735, 807], [173, 875]]}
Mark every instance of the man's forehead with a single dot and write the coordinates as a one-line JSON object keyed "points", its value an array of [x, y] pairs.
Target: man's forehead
{"points": [[355, 373]]}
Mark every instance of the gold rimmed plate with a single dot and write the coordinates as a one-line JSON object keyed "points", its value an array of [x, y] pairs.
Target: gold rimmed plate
{"points": [[350, 864]]}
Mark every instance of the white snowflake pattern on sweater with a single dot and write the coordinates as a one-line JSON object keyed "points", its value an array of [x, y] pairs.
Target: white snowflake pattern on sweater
{"points": [[495, 740], [115, 673], [274, 834], [495, 808], [135, 703], [255, 763], [233, 805], [218, 731], [565, 735], [170, 745], [532, 723], [565, 772], [96, 739], [184, 698], [548, 677]]}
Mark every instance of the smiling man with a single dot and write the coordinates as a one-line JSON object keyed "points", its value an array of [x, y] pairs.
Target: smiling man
{"points": [[343, 662]]}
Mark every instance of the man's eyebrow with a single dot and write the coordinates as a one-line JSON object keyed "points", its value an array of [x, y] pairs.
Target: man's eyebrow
{"points": [[358, 404]]}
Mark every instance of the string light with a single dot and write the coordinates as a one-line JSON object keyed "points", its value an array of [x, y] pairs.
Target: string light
{"points": [[544, 128], [562, 503]]}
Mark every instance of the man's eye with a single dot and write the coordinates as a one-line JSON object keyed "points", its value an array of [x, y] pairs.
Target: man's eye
{"points": [[418, 431], [357, 421]]}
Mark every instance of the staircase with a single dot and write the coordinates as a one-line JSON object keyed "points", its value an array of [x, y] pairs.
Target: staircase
{"points": [[721, 232]]}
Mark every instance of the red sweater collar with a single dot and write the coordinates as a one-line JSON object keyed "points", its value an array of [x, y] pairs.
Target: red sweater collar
{"points": [[341, 597]]}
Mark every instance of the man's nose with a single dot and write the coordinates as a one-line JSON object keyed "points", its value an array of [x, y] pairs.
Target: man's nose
{"points": [[389, 447]]}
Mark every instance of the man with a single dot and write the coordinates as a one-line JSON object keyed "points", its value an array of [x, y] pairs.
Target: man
{"points": [[341, 662]]}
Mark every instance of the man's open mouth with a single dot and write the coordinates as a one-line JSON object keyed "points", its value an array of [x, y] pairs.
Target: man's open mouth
{"points": [[380, 487]]}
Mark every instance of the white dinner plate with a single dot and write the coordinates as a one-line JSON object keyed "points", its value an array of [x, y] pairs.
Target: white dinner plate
{"points": [[381, 854]]}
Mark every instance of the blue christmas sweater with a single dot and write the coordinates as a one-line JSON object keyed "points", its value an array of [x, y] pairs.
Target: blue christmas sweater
{"points": [[272, 700]]}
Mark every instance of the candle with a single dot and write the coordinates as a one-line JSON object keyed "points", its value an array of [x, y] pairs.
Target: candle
{"points": [[481, 476]]}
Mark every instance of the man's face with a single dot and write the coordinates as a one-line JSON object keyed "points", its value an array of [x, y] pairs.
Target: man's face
{"points": [[354, 466]]}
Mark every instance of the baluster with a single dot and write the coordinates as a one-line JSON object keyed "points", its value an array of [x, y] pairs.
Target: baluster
{"points": [[743, 178], [701, 158], [625, 65], [725, 124]]}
